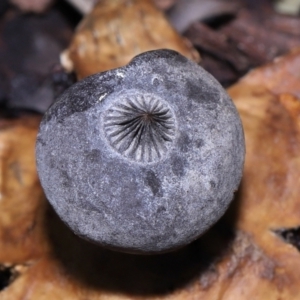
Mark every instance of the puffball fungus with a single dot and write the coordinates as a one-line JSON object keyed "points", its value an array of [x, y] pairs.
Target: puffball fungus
{"points": [[144, 158]]}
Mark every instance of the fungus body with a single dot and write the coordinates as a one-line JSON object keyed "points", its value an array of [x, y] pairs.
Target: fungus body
{"points": [[144, 158]]}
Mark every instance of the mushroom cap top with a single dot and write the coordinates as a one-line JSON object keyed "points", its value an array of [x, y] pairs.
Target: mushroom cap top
{"points": [[144, 158]]}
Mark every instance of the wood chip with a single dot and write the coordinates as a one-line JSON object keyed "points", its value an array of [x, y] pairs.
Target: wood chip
{"points": [[115, 31]]}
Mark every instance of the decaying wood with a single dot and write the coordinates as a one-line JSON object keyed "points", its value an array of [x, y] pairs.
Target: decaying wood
{"points": [[218, 44], [116, 31], [257, 38], [241, 257], [242, 43]]}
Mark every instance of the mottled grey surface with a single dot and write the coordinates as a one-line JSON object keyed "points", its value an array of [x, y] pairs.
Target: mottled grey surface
{"points": [[144, 158]]}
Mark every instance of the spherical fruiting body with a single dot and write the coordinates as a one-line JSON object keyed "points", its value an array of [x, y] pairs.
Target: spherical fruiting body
{"points": [[144, 158]]}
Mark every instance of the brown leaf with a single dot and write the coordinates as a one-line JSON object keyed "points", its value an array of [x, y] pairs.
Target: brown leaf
{"points": [[20, 192], [268, 101], [116, 31]]}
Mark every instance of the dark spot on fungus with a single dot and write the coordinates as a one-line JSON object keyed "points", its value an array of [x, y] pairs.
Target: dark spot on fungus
{"points": [[184, 142], [94, 155], [209, 98], [161, 209], [83, 98], [154, 183], [212, 184], [170, 85], [66, 180], [199, 143], [155, 82], [178, 165]]}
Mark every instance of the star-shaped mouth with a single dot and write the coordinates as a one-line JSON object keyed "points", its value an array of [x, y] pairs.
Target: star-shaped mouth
{"points": [[140, 127]]}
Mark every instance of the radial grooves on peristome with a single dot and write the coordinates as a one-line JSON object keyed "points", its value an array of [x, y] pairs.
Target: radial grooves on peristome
{"points": [[141, 128]]}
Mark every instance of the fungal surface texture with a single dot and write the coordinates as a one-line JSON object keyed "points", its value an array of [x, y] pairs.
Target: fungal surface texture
{"points": [[144, 158]]}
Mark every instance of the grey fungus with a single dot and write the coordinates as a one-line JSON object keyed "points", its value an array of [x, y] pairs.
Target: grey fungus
{"points": [[144, 158]]}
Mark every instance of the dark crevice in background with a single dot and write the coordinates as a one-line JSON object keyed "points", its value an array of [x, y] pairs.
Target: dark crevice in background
{"points": [[7, 276], [221, 69], [3, 6], [219, 21], [142, 275], [290, 236], [71, 15]]}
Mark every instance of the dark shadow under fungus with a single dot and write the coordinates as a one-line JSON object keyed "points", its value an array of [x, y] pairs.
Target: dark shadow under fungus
{"points": [[143, 275]]}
